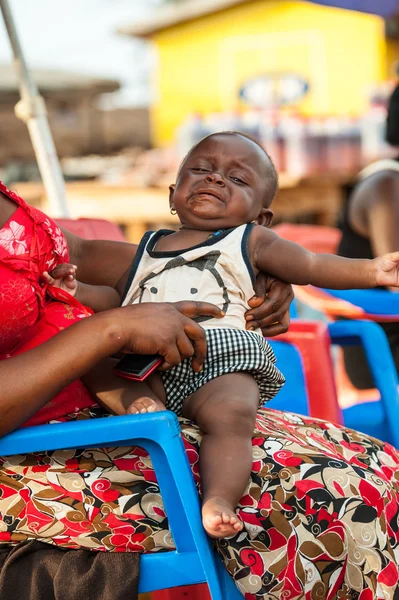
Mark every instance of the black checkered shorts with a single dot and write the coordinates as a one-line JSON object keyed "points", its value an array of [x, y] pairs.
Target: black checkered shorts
{"points": [[229, 351]]}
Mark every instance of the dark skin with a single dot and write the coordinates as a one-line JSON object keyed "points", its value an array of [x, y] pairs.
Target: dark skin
{"points": [[224, 182], [374, 211], [103, 262], [374, 215], [146, 330]]}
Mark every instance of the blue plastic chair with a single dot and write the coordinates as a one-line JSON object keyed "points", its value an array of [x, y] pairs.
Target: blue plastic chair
{"points": [[194, 560], [293, 396], [379, 418], [294, 309], [374, 302]]}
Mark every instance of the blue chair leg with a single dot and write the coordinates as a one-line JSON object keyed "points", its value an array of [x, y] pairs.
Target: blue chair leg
{"points": [[159, 433], [173, 469], [381, 364]]}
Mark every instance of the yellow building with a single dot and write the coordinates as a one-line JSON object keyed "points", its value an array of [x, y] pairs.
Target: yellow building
{"points": [[208, 49]]}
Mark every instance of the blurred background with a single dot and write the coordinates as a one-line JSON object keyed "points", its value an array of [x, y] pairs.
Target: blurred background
{"points": [[131, 85]]}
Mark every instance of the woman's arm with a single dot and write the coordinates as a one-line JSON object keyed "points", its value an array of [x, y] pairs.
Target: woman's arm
{"points": [[100, 262], [28, 381], [382, 213]]}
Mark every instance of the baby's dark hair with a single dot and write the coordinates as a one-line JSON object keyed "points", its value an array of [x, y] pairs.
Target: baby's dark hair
{"points": [[272, 174], [392, 128]]}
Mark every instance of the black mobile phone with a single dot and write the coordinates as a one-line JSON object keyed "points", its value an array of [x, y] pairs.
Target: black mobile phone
{"points": [[137, 366]]}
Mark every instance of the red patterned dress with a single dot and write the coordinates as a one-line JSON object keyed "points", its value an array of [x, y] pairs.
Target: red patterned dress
{"points": [[320, 510], [31, 243]]}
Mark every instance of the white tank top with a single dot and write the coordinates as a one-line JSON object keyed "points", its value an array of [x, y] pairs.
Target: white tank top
{"points": [[217, 271]]}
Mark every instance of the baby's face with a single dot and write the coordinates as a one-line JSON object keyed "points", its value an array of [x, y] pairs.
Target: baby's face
{"points": [[221, 184]]}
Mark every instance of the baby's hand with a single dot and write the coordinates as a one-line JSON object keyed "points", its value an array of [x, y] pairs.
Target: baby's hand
{"points": [[387, 270], [63, 277]]}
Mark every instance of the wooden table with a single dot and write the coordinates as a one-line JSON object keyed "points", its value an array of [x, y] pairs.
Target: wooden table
{"points": [[140, 209]]}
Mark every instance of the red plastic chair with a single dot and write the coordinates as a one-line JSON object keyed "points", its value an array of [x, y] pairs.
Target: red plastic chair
{"points": [[323, 381], [93, 229], [313, 341], [315, 238], [185, 592]]}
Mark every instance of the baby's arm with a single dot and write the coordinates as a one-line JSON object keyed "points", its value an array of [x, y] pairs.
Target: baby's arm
{"points": [[294, 264], [97, 297]]}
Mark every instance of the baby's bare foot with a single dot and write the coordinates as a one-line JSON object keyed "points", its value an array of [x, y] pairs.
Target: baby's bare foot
{"points": [[219, 518], [145, 405]]}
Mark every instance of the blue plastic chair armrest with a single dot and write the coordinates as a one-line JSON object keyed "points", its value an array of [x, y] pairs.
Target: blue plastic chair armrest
{"points": [[158, 433], [379, 358], [91, 433], [374, 302]]}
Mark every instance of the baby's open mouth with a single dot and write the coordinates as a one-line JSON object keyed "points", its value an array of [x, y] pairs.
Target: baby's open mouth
{"points": [[205, 194]]}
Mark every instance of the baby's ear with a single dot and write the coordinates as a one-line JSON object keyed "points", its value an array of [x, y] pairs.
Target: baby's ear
{"points": [[171, 193], [265, 217]]}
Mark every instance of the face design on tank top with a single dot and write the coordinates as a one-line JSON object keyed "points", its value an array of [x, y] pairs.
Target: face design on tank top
{"points": [[193, 280]]}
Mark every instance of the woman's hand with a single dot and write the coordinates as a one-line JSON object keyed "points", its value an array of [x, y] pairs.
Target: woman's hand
{"points": [[166, 329], [270, 306], [143, 328]]}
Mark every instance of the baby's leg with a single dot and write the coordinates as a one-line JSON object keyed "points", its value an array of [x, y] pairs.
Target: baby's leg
{"points": [[225, 410], [124, 396]]}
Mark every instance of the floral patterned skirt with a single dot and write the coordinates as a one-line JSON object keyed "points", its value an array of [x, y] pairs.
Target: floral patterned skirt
{"points": [[320, 511]]}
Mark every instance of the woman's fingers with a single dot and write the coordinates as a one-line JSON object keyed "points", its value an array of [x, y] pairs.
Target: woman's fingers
{"points": [[276, 328], [185, 346], [276, 314], [161, 329], [198, 309], [266, 314], [267, 324], [198, 341], [63, 276], [261, 287], [273, 311], [171, 356], [278, 299], [189, 343]]}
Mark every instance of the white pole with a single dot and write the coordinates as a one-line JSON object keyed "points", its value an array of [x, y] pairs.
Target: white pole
{"points": [[32, 109]]}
